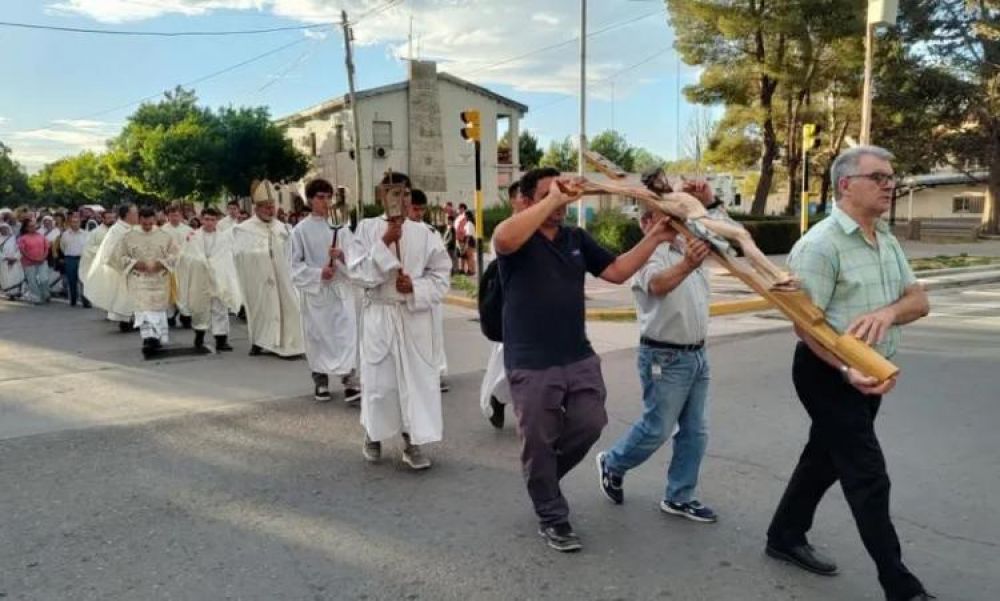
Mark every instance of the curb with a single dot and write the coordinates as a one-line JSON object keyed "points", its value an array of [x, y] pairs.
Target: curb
{"points": [[716, 309], [956, 281]]}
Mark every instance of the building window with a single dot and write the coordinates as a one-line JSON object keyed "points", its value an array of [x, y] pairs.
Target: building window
{"points": [[382, 134], [312, 143], [338, 137], [967, 204]]}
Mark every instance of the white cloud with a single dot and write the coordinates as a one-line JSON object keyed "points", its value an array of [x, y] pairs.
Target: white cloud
{"points": [[466, 37], [63, 137]]}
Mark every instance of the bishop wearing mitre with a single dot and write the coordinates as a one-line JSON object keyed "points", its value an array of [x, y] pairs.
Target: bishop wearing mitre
{"points": [[260, 253]]}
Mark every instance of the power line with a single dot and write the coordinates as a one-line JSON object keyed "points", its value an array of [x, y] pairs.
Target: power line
{"points": [[162, 34], [376, 11]]}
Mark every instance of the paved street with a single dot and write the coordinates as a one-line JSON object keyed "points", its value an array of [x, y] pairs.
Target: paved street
{"points": [[219, 478]]}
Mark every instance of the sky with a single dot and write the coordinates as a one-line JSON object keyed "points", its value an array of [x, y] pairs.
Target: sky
{"points": [[65, 92]]}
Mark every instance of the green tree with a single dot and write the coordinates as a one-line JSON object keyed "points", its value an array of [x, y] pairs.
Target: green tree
{"points": [[14, 188], [764, 60], [614, 147], [253, 147], [528, 150], [560, 155], [86, 178], [643, 159]]}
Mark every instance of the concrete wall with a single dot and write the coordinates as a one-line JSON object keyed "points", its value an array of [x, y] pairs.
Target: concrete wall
{"points": [[938, 203], [456, 162]]}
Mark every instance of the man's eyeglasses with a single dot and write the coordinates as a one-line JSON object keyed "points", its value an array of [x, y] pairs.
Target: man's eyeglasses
{"points": [[880, 179]]}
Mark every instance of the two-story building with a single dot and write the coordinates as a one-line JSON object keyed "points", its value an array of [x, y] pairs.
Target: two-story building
{"points": [[414, 127]]}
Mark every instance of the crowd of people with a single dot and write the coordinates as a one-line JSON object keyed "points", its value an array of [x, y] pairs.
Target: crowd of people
{"points": [[365, 307]]}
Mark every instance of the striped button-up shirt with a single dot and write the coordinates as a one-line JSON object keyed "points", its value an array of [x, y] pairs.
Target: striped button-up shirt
{"points": [[846, 275]]}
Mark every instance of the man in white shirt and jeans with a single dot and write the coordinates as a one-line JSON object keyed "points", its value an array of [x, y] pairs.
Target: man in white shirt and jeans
{"points": [[672, 297], [71, 243]]}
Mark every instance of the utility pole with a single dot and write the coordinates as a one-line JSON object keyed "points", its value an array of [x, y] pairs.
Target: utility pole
{"points": [[880, 12], [349, 60], [582, 143]]}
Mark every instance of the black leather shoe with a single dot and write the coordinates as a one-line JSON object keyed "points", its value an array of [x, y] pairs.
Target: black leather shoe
{"points": [[222, 343], [805, 557], [496, 413], [255, 350]]}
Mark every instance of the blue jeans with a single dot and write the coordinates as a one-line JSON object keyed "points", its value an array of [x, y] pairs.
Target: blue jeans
{"points": [[674, 392]]}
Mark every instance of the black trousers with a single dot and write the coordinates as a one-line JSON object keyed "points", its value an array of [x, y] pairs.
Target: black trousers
{"points": [[71, 275], [842, 446]]}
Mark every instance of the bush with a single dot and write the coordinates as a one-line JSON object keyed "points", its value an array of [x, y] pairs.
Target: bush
{"points": [[615, 231], [773, 237], [492, 216]]}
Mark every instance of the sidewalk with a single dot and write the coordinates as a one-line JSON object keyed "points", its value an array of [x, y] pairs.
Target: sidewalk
{"points": [[611, 301]]}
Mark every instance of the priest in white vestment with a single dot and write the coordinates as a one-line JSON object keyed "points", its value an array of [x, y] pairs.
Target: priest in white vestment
{"points": [[11, 271], [105, 284], [232, 216], [94, 238], [180, 232], [326, 295], [207, 282], [146, 256], [260, 252], [405, 270]]}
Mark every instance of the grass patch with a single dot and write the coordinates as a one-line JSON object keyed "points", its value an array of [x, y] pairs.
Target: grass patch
{"points": [[465, 284], [951, 261]]}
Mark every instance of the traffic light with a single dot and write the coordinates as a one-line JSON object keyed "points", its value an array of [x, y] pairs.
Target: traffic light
{"points": [[471, 129], [810, 136]]}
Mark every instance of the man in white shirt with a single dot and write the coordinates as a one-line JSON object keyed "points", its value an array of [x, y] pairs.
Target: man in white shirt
{"points": [[326, 296], [72, 243]]}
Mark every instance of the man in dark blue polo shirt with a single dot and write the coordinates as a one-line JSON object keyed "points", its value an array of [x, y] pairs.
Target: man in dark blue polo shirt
{"points": [[555, 377]]}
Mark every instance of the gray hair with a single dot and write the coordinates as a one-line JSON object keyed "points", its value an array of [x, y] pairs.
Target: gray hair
{"points": [[846, 163]]}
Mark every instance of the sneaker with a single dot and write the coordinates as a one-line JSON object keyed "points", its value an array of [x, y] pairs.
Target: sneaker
{"points": [[692, 510], [561, 538], [414, 457], [352, 396], [372, 450], [322, 393], [610, 482], [496, 413]]}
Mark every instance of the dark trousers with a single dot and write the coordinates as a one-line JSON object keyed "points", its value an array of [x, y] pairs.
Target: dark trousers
{"points": [[560, 415], [842, 446], [71, 274]]}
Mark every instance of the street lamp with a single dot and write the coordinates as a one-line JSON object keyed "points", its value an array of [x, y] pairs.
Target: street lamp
{"points": [[880, 12]]}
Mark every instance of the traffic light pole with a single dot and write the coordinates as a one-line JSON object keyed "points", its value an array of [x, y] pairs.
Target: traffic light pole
{"points": [[479, 213], [804, 216]]}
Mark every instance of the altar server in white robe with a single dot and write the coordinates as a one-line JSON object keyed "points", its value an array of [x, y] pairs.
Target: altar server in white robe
{"points": [[179, 232], [105, 284], [11, 271], [232, 216], [260, 253], [326, 295], [405, 269], [206, 281], [418, 209], [146, 256]]}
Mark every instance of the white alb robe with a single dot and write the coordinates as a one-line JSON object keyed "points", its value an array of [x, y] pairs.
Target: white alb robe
{"points": [[329, 320], [494, 381], [437, 314], [206, 276], [106, 287], [94, 239], [400, 370], [11, 274], [225, 224], [260, 255]]}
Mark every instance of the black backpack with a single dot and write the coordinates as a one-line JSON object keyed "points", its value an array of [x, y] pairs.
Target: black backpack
{"points": [[491, 303]]}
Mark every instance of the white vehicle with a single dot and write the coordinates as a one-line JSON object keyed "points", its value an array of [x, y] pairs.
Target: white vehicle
{"points": [[631, 211]]}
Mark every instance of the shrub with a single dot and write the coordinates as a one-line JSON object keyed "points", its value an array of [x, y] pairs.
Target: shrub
{"points": [[615, 231], [493, 215]]}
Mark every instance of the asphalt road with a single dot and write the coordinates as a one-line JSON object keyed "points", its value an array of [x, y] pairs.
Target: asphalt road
{"points": [[211, 478]]}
